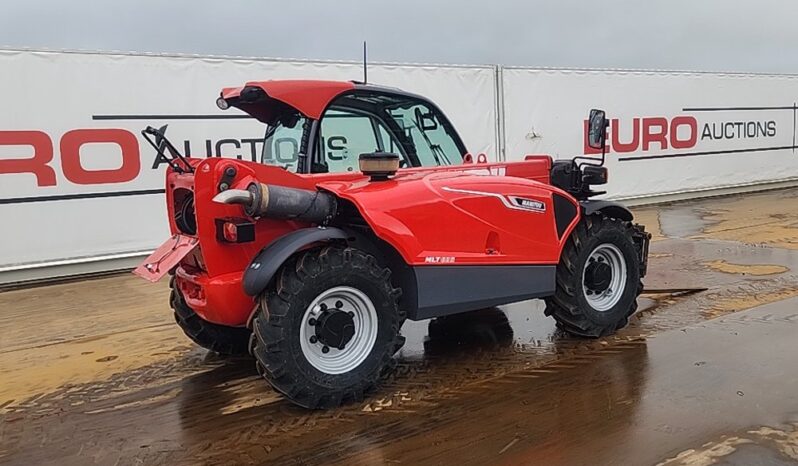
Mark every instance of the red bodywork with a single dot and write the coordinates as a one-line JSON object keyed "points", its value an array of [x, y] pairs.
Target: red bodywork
{"points": [[448, 215]]}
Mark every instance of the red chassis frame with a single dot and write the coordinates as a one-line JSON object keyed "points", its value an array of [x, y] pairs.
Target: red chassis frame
{"points": [[401, 211]]}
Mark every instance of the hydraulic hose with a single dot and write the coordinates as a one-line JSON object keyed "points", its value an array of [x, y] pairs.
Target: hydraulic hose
{"points": [[280, 202]]}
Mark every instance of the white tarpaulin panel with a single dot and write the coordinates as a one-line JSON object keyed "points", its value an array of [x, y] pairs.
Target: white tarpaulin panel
{"points": [[77, 181], [670, 132], [76, 177]]}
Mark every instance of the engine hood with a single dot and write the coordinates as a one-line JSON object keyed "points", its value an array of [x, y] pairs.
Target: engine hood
{"points": [[459, 216]]}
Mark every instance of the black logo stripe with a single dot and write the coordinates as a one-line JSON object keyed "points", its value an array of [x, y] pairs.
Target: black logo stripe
{"points": [[72, 197]]}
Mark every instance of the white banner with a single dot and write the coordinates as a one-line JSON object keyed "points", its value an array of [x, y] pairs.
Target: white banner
{"points": [[76, 177], [78, 182], [670, 132]]}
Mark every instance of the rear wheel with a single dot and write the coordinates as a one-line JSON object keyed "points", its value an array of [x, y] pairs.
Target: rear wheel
{"points": [[598, 278], [228, 341], [327, 327]]}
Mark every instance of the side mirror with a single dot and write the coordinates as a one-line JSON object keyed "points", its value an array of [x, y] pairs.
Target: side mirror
{"points": [[597, 129]]}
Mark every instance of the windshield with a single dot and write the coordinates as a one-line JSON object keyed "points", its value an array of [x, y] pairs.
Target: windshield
{"points": [[282, 141], [428, 135]]}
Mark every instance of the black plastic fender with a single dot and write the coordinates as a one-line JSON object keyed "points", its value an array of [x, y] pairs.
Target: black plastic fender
{"points": [[608, 208], [268, 261]]}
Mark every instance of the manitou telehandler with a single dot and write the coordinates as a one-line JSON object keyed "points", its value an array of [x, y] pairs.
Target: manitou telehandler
{"points": [[366, 209]]}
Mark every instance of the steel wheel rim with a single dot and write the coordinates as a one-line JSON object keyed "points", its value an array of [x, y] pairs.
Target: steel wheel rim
{"points": [[364, 314], [607, 299]]}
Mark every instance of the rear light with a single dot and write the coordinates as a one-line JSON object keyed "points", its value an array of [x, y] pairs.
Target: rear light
{"points": [[234, 230]]}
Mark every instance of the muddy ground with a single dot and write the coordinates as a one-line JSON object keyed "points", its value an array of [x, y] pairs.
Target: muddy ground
{"points": [[96, 371]]}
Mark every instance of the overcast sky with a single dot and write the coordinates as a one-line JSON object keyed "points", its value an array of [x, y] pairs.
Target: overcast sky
{"points": [[723, 35]]}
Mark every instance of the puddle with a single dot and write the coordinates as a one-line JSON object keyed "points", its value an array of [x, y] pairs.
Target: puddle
{"points": [[746, 269]]}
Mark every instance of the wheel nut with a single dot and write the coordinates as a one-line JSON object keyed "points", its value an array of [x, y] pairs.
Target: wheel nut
{"points": [[339, 304], [312, 321], [351, 314], [323, 307], [325, 349], [314, 339]]}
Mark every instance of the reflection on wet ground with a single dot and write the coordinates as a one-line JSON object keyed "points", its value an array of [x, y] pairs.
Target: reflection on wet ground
{"points": [[96, 372]]}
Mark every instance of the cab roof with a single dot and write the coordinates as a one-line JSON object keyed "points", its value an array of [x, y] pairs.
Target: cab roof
{"points": [[309, 97], [266, 100]]}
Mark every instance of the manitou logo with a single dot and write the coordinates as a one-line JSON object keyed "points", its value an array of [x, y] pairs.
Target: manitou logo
{"points": [[649, 133]]}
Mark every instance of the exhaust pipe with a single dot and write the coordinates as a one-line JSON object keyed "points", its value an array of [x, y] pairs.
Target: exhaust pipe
{"points": [[233, 196], [280, 202]]}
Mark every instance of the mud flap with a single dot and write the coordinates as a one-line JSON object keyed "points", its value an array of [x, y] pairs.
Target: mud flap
{"points": [[166, 257], [271, 258], [641, 239]]}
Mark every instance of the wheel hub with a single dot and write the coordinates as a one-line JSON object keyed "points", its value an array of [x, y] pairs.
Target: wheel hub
{"points": [[604, 277], [335, 328], [598, 276], [339, 330]]}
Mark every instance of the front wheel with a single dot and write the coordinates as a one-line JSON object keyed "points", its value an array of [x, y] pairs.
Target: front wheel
{"points": [[327, 327], [598, 278]]}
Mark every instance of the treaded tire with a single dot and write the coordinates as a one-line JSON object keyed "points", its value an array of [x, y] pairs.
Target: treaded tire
{"points": [[227, 341], [276, 326], [568, 305]]}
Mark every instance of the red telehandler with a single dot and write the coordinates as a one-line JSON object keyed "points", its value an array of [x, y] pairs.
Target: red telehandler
{"points": [[365, 209]]}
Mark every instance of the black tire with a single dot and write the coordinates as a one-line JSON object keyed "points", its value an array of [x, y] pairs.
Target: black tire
{"points": [[227, 341], [569, 305], [276, 326]]}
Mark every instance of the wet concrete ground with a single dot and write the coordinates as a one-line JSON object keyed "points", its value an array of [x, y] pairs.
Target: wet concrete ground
{"points": [[97, 372]]}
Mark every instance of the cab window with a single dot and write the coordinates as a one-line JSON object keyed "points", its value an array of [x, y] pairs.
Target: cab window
{"points": [[282, 141], [433, 143], [345, 135], [360, 123]]}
